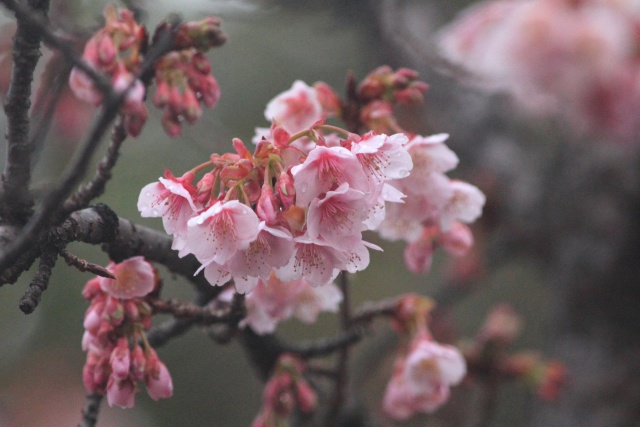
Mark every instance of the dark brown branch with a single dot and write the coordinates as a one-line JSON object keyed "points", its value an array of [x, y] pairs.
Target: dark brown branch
{"points": [[79, 164], [40, 282], [90, 410], [72, 175], [94, 188], [16, 203], [340, 391], [201, 315]]}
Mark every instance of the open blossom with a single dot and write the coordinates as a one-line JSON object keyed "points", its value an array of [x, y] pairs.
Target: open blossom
{"points": [[221, 230], [338, 218], [135, 277], [422, 378], [172, 199], [297, 206], [325, 168], [296, 109]]}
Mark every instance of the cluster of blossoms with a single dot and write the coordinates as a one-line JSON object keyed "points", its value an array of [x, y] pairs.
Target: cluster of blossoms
{"points": [[285, 391], [578, 58], [436, 208], [183, 75], [297, 210], [423, 372], [118, 354], [382, 89], [116, 50], [274, 301]]}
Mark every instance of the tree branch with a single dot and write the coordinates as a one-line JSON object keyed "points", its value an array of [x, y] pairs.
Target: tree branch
{"points": [[90, 410], [94, 188], [16, 203]]}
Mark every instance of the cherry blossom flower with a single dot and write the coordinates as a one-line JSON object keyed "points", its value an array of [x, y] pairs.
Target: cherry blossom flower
{"points": [[383, 157], [171, 199], [422, 378], [318, 263], [465, 205], [296, 109], [221, 230], [135, 277], [338, 218], [157, 379], [326, 168]]}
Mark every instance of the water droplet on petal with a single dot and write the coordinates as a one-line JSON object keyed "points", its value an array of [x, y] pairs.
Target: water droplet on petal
{"points": [[403, 173], [155, 212], [199, 221], [148, 194]]}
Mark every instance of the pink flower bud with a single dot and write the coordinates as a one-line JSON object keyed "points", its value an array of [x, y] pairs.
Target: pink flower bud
{"points": [[307, 398], [138, 363], [191, 106], [158, 379], [371, 89], [161, 96], [113, 311], [93, 317], [92, 289], [201, 63], [106, 52], [120, 393], [418, 256], [286, 190], [120, 360], [458, 240], [408, 96], [88, 372], [170, 123], [175, 99], [131, 310], [210, 91], [329, 99], [267, 208]]}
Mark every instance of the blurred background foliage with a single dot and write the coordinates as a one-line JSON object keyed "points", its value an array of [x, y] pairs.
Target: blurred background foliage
{"points": [[271, 44]]}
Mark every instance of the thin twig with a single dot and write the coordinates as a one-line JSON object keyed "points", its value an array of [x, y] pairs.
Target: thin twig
{"points": [[84, 265], [200, 315]]}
